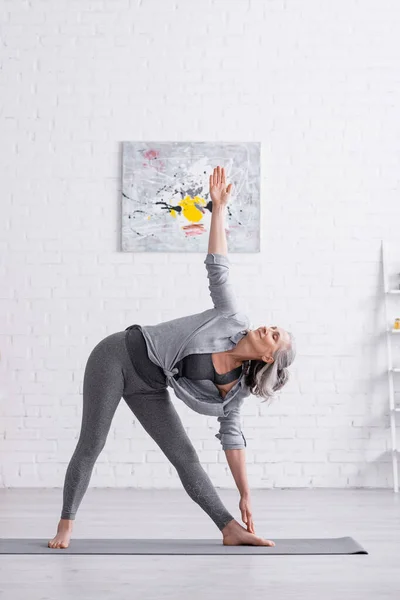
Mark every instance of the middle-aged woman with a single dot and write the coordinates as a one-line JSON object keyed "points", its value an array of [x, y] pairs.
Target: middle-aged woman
{"points": [[211, 360]]}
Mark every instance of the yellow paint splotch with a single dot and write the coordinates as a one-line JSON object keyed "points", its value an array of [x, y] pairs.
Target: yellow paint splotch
{"points": [[189, 210]]}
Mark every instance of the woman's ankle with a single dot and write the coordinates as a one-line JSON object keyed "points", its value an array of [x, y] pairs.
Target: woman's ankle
{"points": [[228, 526], [66, 523]]}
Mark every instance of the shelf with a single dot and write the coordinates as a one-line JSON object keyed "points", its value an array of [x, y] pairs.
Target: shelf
{"points": [[394, 406]]}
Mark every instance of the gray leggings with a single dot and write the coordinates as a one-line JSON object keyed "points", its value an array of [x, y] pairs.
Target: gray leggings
{"points": [[110, 375]]}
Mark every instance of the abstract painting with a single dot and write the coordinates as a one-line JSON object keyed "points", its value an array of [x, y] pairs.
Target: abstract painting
{"points": [[166, 205]]}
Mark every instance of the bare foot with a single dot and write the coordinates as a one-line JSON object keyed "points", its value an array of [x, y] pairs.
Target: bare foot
{"points": [[236, 535], [64, 531]]}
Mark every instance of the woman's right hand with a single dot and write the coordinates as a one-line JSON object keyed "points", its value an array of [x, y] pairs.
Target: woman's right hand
{"points": [[219, 192]]}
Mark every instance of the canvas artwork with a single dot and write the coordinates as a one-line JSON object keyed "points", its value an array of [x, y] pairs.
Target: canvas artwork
{"points": [[166, 206]]}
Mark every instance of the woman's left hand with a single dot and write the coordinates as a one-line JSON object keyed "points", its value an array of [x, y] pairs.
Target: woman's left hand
{"points": [[245, 509], [220, 194]]}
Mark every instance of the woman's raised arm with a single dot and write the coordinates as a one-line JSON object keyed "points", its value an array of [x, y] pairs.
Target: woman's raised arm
{"points": [[220, 195], [217, 261]]}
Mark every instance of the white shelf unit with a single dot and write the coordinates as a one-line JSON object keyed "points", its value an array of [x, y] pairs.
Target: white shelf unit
{"points": [[391, 369]]}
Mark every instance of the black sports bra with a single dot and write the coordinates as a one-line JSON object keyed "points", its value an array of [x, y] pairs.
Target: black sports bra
{"points": [[200, 366]]}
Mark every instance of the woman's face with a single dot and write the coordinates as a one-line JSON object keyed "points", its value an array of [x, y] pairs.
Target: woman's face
{"points": [[267, 340]]}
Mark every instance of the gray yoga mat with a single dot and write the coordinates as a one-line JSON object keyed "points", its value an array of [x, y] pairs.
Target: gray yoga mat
{"points": [[343, 545]]}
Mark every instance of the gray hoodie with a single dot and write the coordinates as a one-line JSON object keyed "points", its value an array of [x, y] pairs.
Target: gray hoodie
{"points": [[214, 330]]}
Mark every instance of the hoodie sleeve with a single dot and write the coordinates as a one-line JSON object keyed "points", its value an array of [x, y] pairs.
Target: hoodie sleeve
{"points": [[230, 432], [221, 291]]}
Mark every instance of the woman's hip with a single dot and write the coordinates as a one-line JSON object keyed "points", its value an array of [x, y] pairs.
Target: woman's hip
{"points": [[140, 374]]}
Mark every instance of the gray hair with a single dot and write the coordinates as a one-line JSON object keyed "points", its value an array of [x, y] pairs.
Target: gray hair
{"points": [[266, 378]]}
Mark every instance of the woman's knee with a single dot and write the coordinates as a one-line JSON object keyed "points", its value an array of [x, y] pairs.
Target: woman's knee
{"points": [[90, 449], [183, 455]]}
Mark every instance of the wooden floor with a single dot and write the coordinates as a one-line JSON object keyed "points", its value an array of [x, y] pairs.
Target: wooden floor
{"points": [[371, 517]]}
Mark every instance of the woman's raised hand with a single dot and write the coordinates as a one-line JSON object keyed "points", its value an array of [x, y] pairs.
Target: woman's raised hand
{"points": [[220, 194]]}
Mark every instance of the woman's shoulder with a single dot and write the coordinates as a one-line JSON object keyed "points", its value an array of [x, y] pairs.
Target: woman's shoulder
{"points": [[239, 317]]}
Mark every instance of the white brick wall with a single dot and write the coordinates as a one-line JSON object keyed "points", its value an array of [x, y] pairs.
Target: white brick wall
{"points": [[317, 83]]}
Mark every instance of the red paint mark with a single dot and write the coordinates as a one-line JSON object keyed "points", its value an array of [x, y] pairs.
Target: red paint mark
{"points": [[193, 229], [151, 154]]}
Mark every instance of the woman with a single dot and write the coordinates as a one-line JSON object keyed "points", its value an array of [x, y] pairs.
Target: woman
{"points": [[211, 360]]}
